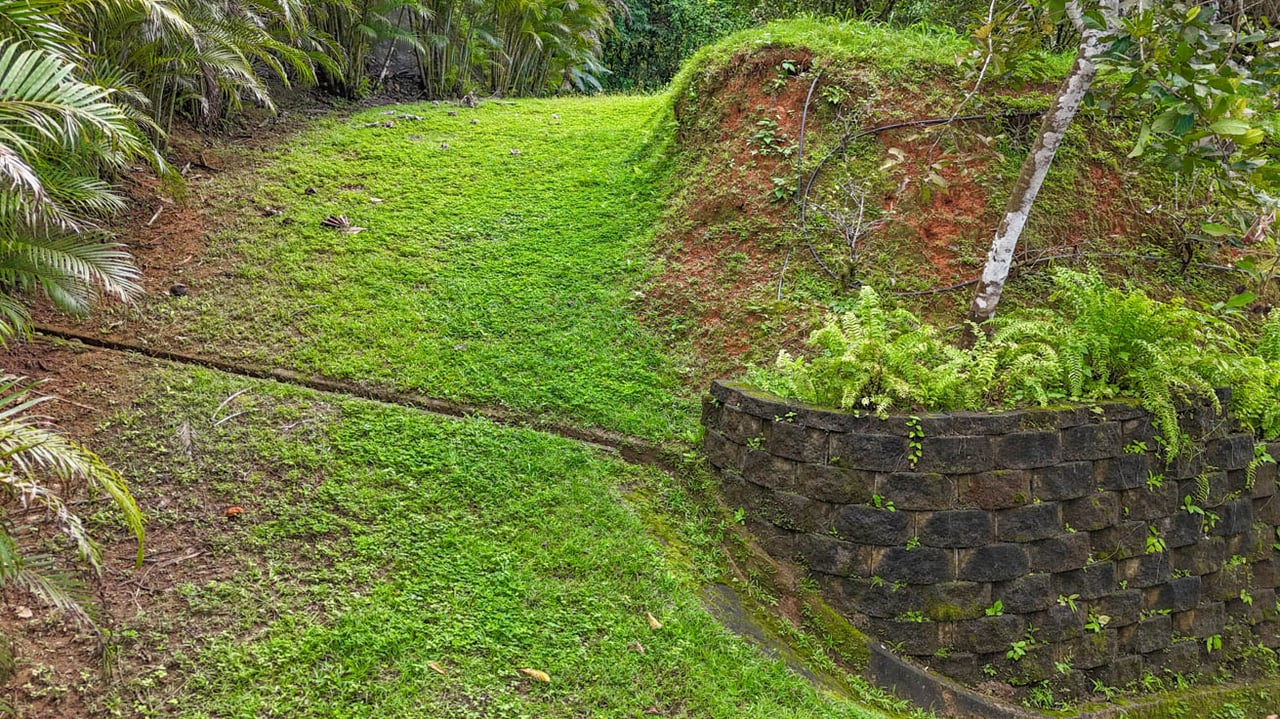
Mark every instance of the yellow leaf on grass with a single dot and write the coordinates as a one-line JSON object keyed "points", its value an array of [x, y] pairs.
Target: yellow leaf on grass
{"points": [[436, 668], [653, 621], [535, 674]]}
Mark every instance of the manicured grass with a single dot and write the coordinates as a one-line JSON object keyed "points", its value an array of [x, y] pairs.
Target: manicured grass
{"points": [[484, 275], [377, 541]]}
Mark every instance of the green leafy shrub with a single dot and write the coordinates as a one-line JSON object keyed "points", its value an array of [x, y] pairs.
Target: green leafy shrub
{"points": [[1093, 342]]}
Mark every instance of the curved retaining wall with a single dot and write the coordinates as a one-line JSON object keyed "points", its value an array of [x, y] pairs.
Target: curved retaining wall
{"points": [[916, 527]]}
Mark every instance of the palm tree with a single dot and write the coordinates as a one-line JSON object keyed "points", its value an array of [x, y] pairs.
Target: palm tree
{"points": [[32, 454], [57, 136]]}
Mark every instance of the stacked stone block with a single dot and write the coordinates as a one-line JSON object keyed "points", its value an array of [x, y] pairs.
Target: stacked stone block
{"points": [[954, 537]]}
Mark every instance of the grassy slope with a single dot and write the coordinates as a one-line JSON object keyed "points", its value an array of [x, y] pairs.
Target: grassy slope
{"points": [[377, 540], [483, 276]]}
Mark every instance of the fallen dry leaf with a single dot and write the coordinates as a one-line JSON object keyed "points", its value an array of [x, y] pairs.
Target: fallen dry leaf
{"points": [[342, 224], [433, 666], [23, 612], [234, 511], [653, 621], [535, 674]]}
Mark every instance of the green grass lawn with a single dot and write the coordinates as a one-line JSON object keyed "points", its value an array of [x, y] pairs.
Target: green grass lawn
{"points": [[378, 541], [498, 265]]}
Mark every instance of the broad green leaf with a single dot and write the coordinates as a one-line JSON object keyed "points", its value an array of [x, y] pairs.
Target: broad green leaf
{"points": [[1141, 144], [1230, 127], [1213, 229]]}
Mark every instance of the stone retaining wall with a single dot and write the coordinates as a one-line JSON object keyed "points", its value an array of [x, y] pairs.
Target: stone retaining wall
{"points": [[916, 528]]}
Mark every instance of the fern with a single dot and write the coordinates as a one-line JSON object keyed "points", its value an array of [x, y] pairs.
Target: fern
{"points": [[1096, 342]]}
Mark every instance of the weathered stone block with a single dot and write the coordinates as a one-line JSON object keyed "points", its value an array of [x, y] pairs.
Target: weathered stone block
{"points": [[1205, 620], [1234, 452], [1000, 489], [957, 528], [738, 426], [1035, 666], [1069, 480], [1151, 504], [868, 525], [1091, 441], [1218, 488], [1124, 671], [1126, 471], [829, 420], [1203, 557], [822, 553], [1234, 517], [1058, 623], [710, 411], [1024, 595], [1037, 419], [1178, 657], [1124, 607], [1249, 545], [1090, 650], [1138, 429], [993, 563], [1179, 595], [1269, 634], [1062, 553], [1029, 523], [796, 441], [1267, 510], [922, 565], [777, 542], [1125, 539], [839, 485], [872, 452], [1092, 581], [721, 453], [1185, 466], [955, 601], [766, 470], [1180, 529], [1028, 450], [1096, 511], [1266, 573], [971, 423], [917, 490], [1144, 571], [1122, 410], [739, 493], [955, 455], [987, 634], [961, 666], [1225, 583], [1245, 613], [919, 639], [870, 597], [1149, 635], [1264, 480], [1265, 600], [799, 513]]}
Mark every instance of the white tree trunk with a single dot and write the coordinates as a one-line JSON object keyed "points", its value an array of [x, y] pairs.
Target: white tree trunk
{"points": [[1035, 168]]}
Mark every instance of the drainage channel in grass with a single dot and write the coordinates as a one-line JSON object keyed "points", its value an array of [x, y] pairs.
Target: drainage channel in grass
{"points": [[501, 251], [391, 563]]}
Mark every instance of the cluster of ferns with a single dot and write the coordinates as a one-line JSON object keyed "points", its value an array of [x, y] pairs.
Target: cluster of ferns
{"points": [[1093, 342]]}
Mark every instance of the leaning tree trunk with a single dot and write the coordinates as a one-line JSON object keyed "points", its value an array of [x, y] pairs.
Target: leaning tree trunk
{"points": [[1053, 127]]}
